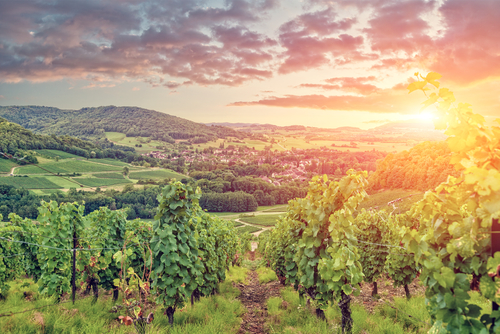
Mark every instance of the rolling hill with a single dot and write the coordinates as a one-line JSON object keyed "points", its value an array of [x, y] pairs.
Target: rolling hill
{"points": [[92, 123]]}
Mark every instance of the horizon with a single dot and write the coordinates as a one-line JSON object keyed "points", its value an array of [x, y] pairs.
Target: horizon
{"points": [[309, 63]]}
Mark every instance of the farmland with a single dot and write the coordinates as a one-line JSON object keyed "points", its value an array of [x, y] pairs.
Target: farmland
{"points": [[58, 170], [263, 220], [155, 174], [100, 182], [66, 166], [6, 165]]}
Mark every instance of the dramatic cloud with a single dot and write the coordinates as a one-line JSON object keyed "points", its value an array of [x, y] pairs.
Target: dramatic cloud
{"points": [[198, 43], [139, 40], [348, 84], [312, 38], [386, 101]]}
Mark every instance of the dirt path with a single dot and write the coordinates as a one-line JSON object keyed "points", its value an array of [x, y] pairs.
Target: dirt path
{"points": [[254, 296]]}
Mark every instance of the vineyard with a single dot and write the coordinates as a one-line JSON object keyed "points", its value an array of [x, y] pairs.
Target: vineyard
{"points": [[320, 257]]}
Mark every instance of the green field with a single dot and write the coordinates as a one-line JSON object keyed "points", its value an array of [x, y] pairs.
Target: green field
{"points": [[28, 182], [96, 182], [109, 175], [112, 162], [66, 166], [156, 174], [6, 165], [56, 153], [272, 208], [379, 200], [237, 224], [121, 139], [264, 220], [249, 229]]}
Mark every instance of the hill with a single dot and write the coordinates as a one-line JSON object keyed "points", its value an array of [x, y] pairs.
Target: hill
{"points": [[423, 167], [92, 123], [14, 138]]}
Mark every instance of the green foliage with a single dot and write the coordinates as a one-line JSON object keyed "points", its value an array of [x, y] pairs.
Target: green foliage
{"points": [[217, 246], [400, 264], [176, 267], [29, 260], [313, 244], [10, 266], [452, 242], [58, 225], [374, 228]]}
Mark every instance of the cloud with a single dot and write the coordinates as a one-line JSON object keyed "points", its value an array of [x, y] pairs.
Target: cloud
{"points": [[377, 121], [312, 38], [464, 48], [156, 41], [136, 89], [357, 85], [146, 41], [385, 101], [2, 97]]}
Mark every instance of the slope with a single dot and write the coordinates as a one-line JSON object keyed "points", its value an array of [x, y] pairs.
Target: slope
{"points": [[92, 123]]}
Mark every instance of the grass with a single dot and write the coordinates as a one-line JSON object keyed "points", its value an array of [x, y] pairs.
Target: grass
{"points": [[237, 224], [98, 182], [380, 199], [281, 208], [222, 214], [156, 174], [112, 162], [264, 220], [249, 229], [6, 165], [266, 275], [287, 315], [56, 153], [237, 275], [215, 314], [28, 182], [109, 175], [66, 167]]}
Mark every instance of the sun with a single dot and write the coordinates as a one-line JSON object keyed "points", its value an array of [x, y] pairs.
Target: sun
{"points": [[425, 116]]}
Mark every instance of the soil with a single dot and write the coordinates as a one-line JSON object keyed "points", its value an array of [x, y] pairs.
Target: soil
{"points": [[386, 292], [253, 297]]}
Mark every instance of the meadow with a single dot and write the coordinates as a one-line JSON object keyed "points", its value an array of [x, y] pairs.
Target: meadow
{"points": [[28, 182], [66, 167], [263, 220], [156, 174], [100, 182], [6, 165], [52, 154]]}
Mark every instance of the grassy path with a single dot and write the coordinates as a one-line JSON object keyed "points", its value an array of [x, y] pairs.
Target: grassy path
{"points": [[254, 298]]}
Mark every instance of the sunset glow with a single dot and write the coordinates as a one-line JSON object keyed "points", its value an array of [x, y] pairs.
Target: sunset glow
{"points": [[313, 62]]}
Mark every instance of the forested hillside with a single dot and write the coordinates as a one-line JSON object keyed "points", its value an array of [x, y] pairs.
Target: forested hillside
{"points": [[92, 123], [14, 138], [423, 167]]}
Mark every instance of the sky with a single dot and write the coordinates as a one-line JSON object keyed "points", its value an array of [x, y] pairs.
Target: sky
{"points": [[310, 62]]}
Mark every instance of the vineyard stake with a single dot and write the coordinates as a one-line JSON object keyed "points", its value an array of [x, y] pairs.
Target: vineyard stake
{"points": [[495, 247], [73, 285]]}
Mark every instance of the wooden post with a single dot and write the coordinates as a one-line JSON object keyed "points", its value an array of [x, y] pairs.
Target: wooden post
{"points": [[495, 247], [73, 278]]}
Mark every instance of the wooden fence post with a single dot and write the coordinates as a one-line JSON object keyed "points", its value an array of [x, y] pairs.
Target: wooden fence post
{"points": [[495, 247]]}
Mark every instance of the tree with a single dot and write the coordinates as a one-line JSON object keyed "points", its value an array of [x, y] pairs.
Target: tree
{"points": [[125, 171]]}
